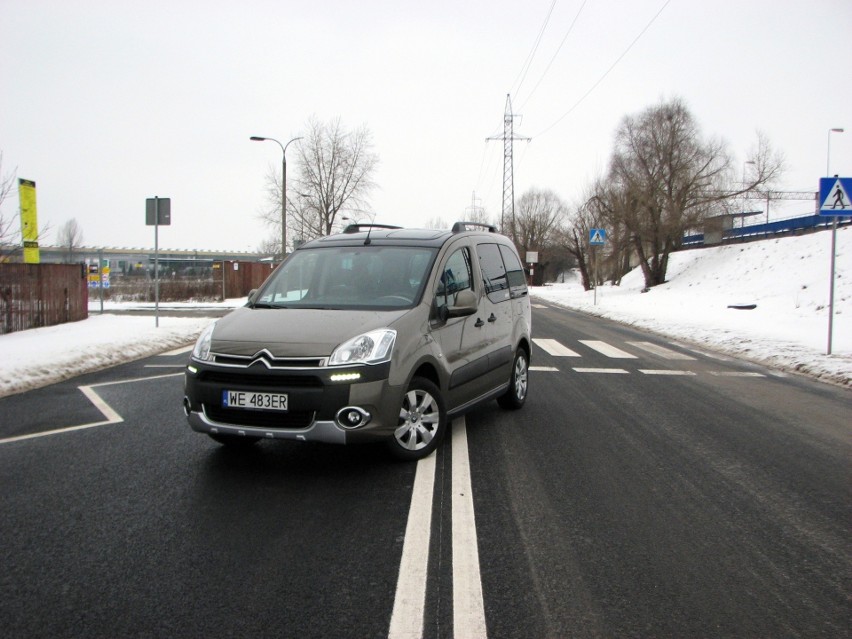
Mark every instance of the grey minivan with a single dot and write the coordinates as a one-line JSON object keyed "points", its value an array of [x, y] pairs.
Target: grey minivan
{"points": [[376, 333]]}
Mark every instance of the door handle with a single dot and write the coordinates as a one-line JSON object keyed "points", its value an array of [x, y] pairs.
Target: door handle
{"points": [[493, 318], [479, 322]]}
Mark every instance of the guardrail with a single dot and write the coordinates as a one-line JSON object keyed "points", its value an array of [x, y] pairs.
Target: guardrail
{"points": [[776, 228]]}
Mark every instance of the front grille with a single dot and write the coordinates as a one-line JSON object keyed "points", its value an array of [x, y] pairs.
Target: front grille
{"points": [[237, 378], [295, 420], [270, 362]]}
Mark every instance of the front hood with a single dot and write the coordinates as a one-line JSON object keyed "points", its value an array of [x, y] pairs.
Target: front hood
{"points": [[294, 332]]}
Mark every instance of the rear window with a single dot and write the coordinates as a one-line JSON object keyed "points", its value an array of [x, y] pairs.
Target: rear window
{"points": [[502, 272]]}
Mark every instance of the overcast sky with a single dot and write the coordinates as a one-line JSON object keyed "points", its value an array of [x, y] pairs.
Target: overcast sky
{"points": [[106, 103]]}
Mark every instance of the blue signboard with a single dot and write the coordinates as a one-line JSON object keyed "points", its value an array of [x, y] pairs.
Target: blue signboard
{"points": [[834, 196], [597, 237]]}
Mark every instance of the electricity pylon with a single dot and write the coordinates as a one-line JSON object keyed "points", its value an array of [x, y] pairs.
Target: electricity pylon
{"points": [[508, 138]]}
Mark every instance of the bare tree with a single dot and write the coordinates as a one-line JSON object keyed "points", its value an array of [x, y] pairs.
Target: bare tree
{"points": [[335, 171], [667, 179], [436, 223], [333, 176], [70, 238], [538, 214]]}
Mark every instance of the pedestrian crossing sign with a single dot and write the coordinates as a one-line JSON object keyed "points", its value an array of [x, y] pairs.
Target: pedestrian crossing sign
{"points": [[597, 237], [834, 196]]}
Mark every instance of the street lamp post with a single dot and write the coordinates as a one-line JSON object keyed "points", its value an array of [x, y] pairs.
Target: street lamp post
{"points": [[828, 151], [256, 138], [742, 219]]}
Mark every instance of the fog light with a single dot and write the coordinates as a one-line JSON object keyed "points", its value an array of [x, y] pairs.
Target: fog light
{"points": [[352, 417]]}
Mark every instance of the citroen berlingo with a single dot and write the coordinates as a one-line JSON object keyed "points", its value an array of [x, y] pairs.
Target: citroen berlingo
{"points": [[376, 333]]}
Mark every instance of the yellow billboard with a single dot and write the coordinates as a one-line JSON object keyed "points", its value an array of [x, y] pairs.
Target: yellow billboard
{"points": [[29, 220]]}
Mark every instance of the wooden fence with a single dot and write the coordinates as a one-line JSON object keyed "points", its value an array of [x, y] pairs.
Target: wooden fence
{"points": [[238, 278], [34, 295]]}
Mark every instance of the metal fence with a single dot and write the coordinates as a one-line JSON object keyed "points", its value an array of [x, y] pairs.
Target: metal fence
{"points": [[34, 295]]}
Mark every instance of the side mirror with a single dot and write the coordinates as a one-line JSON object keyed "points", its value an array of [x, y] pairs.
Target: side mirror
{"points": [[467, 303]]}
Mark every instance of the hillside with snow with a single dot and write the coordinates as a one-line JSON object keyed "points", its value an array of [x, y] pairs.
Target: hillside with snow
{"points": [[786, 278]]}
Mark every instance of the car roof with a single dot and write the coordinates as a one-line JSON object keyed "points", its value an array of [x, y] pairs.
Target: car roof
{"points": [[365, 234]]}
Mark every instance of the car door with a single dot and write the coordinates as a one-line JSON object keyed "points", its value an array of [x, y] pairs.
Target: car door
{"points": [[497, 309], [463, 340]]}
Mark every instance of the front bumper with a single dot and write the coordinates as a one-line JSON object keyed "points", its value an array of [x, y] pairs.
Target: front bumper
{"points": [[315, 396], [318, 431]]}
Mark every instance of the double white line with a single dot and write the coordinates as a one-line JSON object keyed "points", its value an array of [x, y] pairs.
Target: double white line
{"points": [[409, 606]]}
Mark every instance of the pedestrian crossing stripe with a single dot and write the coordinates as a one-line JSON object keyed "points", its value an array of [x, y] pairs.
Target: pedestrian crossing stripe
{"points": [[836, 198], [606, 349], [661, 351], [554, 348]]}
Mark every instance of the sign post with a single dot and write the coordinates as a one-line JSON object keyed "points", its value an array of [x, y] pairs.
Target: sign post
{"points": [[834, 201], [532, 260], [597, 237], [157, 211]]}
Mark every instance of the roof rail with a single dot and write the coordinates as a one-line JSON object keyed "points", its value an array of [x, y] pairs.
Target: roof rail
{"points": [[357, 228], [460, 227]]}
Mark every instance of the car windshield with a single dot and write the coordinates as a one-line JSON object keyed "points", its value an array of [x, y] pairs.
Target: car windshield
{"points": [[349, 277]]}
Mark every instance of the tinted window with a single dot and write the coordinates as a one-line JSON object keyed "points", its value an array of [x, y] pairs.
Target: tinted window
{"points": [[515, 272], [493, 272]]}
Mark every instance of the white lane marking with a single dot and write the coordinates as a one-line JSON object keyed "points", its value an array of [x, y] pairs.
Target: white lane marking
{"points": [[737, 374], [410, 601], [111, 417], [615, 371], [177, 351], [662, 351], [539, 306], [606, 349], [552, 347], [164, 366], [698, 351], [468, 606], [546, 369], [664, 372]]}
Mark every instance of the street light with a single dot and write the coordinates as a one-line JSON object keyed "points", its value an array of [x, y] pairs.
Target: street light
{"points": [[256, 138], [828, 151]]}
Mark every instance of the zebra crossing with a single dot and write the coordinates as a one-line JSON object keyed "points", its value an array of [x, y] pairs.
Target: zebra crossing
{"points": [[629, 350]]}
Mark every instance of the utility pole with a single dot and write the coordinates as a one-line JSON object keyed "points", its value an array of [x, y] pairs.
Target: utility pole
{"points": [[508, 138]]}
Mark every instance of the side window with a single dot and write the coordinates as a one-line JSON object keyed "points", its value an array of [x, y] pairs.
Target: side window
{"points": [[455, 277], [493, 272], [514, 271]]}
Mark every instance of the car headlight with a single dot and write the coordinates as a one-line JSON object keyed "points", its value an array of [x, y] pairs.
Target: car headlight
{"points": [[202, 344], [374, 347]]}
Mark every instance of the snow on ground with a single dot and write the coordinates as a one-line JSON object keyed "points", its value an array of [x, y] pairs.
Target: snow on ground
{"points": [[41, 356], [787, 278]]}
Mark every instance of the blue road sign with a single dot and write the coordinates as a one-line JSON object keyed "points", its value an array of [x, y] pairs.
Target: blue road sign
{"points": [[834, 196], [597, 237]]}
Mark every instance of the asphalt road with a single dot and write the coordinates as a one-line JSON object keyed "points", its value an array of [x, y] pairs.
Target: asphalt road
{"points": [[667, 494]]}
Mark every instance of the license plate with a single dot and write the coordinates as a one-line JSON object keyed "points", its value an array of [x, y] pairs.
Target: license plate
{"points": [[254, 401]]}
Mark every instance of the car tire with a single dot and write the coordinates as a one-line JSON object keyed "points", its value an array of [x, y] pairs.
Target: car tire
{"points": [[234, 441], [516, 394], [422, 421]]}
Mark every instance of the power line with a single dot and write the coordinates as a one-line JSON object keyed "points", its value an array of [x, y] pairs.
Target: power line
{"points": [[558, 49], [528, 62], [607, 72]]}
